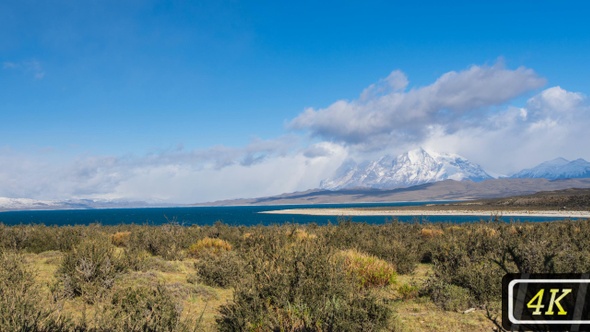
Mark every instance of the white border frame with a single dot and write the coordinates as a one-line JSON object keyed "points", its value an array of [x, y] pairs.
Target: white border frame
{"points": [[513, 320]]}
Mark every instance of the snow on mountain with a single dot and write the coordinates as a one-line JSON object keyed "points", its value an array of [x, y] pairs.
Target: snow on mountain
{"points": [[14, 204], [7, 203], [557, 169], [411, 168]]}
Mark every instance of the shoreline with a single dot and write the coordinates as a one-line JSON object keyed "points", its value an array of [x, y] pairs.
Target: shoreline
{"points": [[423, 212]]}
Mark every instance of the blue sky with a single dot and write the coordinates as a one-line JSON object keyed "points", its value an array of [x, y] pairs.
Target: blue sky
{"points": [[195, 101]]}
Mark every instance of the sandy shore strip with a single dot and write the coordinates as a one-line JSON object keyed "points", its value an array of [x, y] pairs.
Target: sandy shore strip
{"points": [[394, 212]]}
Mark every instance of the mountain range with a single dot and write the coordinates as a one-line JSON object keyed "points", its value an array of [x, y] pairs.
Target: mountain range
{"points": [[409, 169], [557, 169], [417, 175], [447, 190], [11, 204], [421, 175], [419, 166]]}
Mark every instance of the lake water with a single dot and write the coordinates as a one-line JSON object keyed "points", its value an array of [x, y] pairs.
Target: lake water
{"points": [[231, 215]]}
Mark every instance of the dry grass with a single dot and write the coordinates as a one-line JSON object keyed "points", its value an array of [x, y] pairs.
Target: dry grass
{"points": [[209, 246], [368, 270], [302, 235], [429, 233], [202, 302], [121, 239], [487, 232], [420, 314], [409, 296], [199, 302]]}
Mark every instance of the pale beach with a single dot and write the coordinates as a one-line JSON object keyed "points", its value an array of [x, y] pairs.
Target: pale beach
{"points": [[424, 212]]}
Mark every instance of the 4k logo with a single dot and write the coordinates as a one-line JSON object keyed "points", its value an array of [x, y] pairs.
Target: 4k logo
{"points": [[537, 301], [541, 302]]}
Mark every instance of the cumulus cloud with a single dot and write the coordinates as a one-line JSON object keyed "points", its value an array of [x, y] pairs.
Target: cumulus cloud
{"points": [[470, 112], [388, 113], [551, 124]]}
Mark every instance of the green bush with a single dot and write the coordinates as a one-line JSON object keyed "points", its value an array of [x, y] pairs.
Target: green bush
{"points": [[395, 242], [89, 270], [22, 308], [223, 269], [299, 287], [166, 241], [141, 309], [408, 291], [451, 297]]}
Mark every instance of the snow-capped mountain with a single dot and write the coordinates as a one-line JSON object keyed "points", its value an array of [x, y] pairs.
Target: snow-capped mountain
{"points": [[13, 204], [411, 168], [7, 203], [557, 169]]}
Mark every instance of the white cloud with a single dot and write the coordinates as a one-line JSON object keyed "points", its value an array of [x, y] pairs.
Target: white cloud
{"points": [[552, 124], [386, 113], [467, 112], [258, 169], [181, 183]]}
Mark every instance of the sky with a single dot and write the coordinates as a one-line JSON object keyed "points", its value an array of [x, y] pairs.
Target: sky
{"points": [[196, 101]]}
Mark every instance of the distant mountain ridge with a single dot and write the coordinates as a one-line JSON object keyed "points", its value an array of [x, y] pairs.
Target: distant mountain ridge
{"points": [[558, 168], [438, 191], [14, 204], [412, 168]]}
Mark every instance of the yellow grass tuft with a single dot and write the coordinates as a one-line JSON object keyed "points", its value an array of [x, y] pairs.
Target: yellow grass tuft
{"points": [[456, 229], [369, 271], [301, 235], [121, 239], [488, 232], [208, 245], [429, 233]]}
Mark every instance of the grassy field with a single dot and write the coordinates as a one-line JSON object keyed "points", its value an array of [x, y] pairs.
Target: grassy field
{"points": [[202, 303], [349, 276]]}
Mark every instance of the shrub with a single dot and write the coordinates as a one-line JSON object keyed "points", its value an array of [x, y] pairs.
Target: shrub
{"points": [[208, 246], [408, 291], [467, 266], [89, 269], [299, 288], [403, 255], [219, 270], [368, 271], [395, 242], [136, 259], [166, 241], [142, 309], [21, 306], [451, 297]]}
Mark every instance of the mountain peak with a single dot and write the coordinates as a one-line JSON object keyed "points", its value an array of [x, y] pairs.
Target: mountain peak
{"points": [[558, 168], [414, 167], [556, 162], [418, 155]]}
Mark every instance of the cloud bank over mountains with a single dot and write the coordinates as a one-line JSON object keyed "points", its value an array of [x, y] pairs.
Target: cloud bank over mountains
{"points": [[386, 112], [495, 116]]}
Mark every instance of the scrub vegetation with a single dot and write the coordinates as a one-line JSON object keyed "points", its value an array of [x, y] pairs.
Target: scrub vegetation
{"points": [[343, 277]]}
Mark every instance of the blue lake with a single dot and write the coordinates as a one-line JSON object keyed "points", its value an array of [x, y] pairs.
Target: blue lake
{"points": [[232, 215]]}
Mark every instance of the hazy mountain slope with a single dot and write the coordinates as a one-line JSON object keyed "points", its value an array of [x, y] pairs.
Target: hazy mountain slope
{"points": [[557, 169], [444, 190]]}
